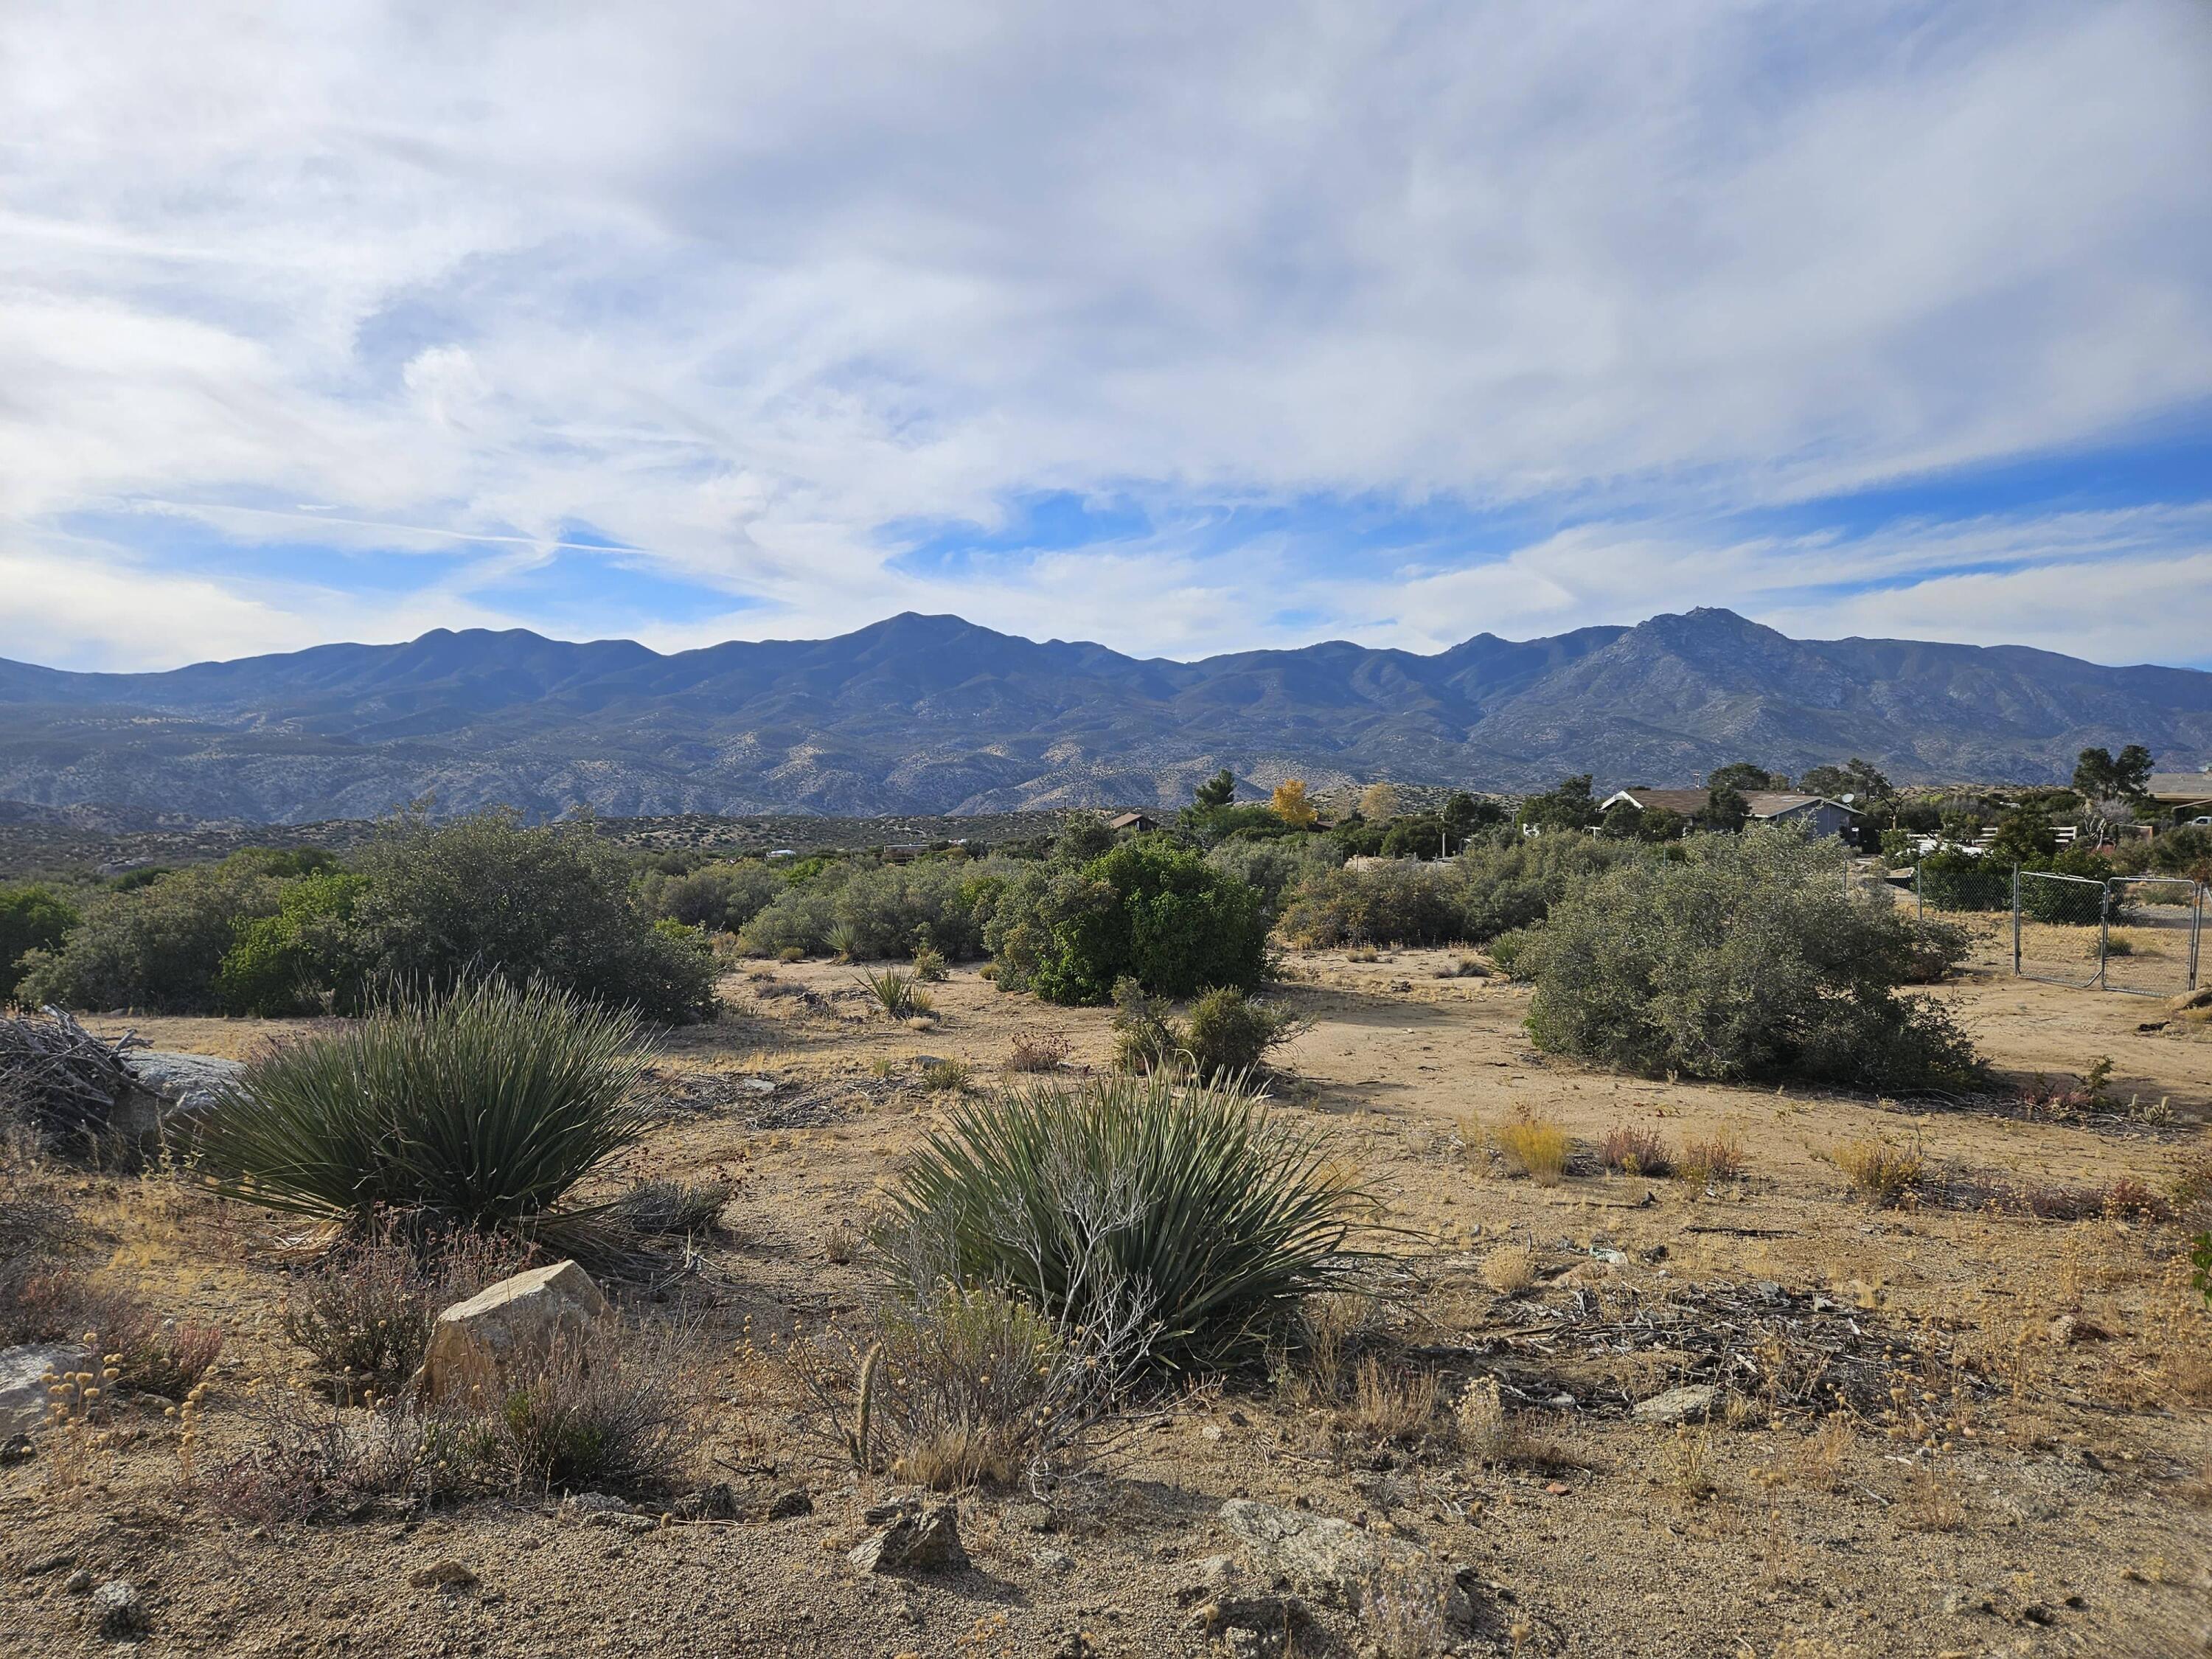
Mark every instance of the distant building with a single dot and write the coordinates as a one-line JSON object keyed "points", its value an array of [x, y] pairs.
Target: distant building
{"points": [[1815, 814], [2181, 794], [1136, 823]]}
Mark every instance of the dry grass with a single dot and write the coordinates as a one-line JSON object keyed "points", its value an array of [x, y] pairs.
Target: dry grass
{"points": [[1882, 1171], [1488, 1434], [1391, 1405], [1628, 1150], [947, 1077], [1534, 1146], [1509, 1269], [1822, 1458], [1719, 1157], [1034, 1049], [1683, 1464]]}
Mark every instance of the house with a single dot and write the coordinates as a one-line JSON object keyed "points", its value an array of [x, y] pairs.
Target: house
{"points": [[1814, 814], [1137, 823], [2181, 795]]}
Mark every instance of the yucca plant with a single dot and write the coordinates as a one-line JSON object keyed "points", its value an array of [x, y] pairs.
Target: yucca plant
{"points": [[895, 993], [481, 1106], [1188, 1209]]}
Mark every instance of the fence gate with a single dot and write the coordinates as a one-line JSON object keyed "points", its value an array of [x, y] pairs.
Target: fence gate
{"points": [[2153, 928], [2058, 927]]}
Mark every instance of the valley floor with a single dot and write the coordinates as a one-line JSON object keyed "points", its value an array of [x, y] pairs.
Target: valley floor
{"points": [[2057, 1366]]}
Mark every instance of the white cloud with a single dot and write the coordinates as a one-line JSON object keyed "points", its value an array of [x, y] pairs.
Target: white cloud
{"points": [[739, 285]]}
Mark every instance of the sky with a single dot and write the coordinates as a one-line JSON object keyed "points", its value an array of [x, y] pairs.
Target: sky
{"points": [[1180, 328]]}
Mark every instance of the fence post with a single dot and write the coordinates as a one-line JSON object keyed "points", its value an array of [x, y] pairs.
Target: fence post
{"points": [[2104, 934], [2015, 921]]}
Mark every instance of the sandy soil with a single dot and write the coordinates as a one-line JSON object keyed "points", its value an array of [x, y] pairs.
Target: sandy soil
{"points": [[2067, 1512]]}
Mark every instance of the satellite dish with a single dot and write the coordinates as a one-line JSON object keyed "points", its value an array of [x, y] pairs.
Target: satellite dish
{"points": [[1848, 799]]}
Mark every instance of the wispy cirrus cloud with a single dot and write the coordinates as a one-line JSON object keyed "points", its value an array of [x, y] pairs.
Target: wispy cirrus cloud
{"points": [[1390, 321]]}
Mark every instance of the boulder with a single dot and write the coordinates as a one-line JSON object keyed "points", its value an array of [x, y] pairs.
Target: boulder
{"points": [[2200, 997], [169, 1094], [510, 1327], [1691, 1403], [917, 1541], [1332, 1560], [23, 1381], [121, 1612]]}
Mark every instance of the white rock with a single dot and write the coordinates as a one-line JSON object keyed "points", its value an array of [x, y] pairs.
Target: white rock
{"points": [[511, 1327], [1332, 1560], [1690, 1403], [172, 1092], [23, 1381]]}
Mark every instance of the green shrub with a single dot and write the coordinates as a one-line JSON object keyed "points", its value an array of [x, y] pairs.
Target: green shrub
{"points": [[1405, 903], [477, 1108], [488, 894], [1187, 1209], [290, 962], [720, 898], [1147, 910], [873, 912], [158, 947], [1746, 958], [1228, 1034], [31, 918], [1274, 866], [603, 1413], [1517, 951]]}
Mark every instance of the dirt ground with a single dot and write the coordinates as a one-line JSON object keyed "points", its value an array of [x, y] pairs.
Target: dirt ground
{"points": [[2027, 1468]]}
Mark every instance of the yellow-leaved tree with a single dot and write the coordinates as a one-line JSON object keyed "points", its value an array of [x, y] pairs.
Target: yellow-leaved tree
{"points": [[1292, 804]]}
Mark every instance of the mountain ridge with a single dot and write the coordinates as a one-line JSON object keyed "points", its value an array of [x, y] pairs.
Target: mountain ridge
{"points": [[934, 714]]}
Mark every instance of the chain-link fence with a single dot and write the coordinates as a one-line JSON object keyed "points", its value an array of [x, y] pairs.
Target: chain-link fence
{"points": [[2140, 934], [2154, 935]]}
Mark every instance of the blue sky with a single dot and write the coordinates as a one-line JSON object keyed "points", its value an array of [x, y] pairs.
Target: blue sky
{"points": [[1181, 329]]}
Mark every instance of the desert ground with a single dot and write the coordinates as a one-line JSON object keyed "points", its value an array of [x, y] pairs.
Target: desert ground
{"points": [[1947, 1427]]}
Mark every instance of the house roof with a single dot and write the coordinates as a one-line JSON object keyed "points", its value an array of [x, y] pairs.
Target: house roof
{"points": [[1764, 803], [1130, 820], [2179, 786]]}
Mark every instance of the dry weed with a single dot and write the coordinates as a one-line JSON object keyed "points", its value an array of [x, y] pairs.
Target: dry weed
{"points": [[1683, 1465], [1391, 1406], [1509, 1269], [1879, 1170], [1823, 1454], [1534, 1146], [1034, 1050], [1629, 1151], [1720, 1157]]}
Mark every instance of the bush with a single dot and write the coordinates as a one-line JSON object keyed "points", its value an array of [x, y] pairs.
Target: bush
{"points": [[1034, 1050], [487, 896], [871, 912], [1405, 903], [1275, 866], [31, 918], [1232, 1034], [1534, 1146], [294, 961], [658, 1206], [1517, 952], [1187, 1209], [956, 1387], [598, 1413], [1147, 910], [1745, 959], [1627, 1151], [478, 1108], [895, 993], [720, 898], [366, 1311], [160, 947]]}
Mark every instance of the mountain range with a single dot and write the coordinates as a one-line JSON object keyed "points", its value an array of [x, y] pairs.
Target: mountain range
{"points": [[934, 714]]}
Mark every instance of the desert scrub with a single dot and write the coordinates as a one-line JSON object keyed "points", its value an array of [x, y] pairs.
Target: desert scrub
{"points": [[1036, 1050], [1532, 1146], [608, 1411], [1628, 1150], [364, 1312], [658, 1205], [1743, 959], [956, 1387], [1718, 1157], [481, 1107], [895, 993], [1228, 1034], [1879, 1170], [947, 1077], [1186, 1207]]}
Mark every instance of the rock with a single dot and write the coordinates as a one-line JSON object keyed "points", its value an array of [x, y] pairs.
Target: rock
{"points": [[877, 1515], [594, 1503], [1029, 1516], [122, 1614], [915, 1542], [23, 1381], [169, 1096], [785, 1505], [512, 1325], [444, 1576], [78, 1582], [1332, 1560], [15, 1448], [45, 1563], [1052, 1560], [719, 1502], [2191, 1001], [1690, 1403]]}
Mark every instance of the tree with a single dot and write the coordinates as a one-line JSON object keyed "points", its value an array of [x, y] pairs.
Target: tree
{"points": [[1291, 804], [1217, 791], [1378, 802], [1567, 807], [1741, 777], [1862, 780], [31, 919], [1726, 810], [2099, 777], [2023, 837]]}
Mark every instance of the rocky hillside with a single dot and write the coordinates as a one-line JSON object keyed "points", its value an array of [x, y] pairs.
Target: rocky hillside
{"points": [[933, 714]]}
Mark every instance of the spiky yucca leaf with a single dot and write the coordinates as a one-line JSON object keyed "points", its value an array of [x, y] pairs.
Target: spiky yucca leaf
{"points": [[481, 1106], [1188, 1203]]}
